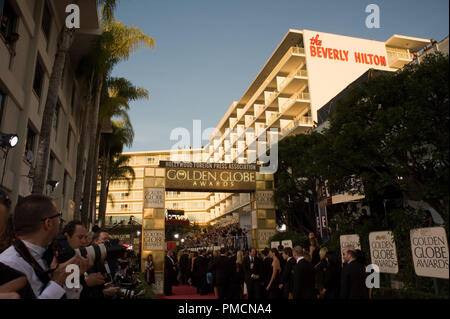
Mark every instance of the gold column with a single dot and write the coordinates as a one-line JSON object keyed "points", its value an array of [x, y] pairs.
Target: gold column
{"points": [[153, 223], [263, 211]]}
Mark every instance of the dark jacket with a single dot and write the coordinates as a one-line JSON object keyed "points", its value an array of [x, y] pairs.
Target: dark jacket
{"points": [[287, 277], [353, 281], [257, 269], [184, 263], [170, 274], [303, 280], [222, 268], [266, 271], [332, 281]]}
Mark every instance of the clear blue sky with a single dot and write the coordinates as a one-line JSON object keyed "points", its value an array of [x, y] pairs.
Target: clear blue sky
{"points": [[209, 51]]}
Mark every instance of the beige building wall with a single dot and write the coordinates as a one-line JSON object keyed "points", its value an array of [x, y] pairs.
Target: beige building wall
{"points": [[22, 106]]}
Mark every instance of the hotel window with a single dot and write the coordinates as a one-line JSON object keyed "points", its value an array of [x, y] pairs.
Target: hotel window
{"points": [[151, 160], [51, 165], [64, 190], [56, 118], [72, 101], [30, 145], [124, 195], [38, 78], [2, 105], [69, 133], [46, 21], [124, 207], [8, 22]]}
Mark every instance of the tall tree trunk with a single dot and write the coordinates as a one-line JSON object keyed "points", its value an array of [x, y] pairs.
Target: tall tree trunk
{"points": [[93, 123], [78, 188], [104, 189], [95, 174], [43, 153]]}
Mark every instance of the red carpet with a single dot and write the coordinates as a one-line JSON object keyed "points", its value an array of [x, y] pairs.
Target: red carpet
{"points": [[187, 292]]}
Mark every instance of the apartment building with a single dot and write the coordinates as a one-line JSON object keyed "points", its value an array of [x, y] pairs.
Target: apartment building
{"points": [[306, 70], [29, 33]]}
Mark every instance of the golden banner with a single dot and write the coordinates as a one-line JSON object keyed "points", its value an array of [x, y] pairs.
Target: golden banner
{"points": [[192, 177]]}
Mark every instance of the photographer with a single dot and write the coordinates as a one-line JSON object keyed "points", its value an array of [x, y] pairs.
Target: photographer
{"points": [[76, 235], [36, 224], [13, 285], [99, 282]]}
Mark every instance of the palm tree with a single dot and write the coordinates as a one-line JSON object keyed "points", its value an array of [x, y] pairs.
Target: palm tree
{"points": [[115, 103], [118, 169], [65, 42], [116, 44]]}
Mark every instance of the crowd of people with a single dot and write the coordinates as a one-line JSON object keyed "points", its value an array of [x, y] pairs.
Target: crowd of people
{"points": [[33, 265], [229, 236], [302, 272]]}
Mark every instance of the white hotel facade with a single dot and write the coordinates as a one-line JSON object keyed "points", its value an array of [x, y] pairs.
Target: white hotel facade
{"points": [[306, 70]]}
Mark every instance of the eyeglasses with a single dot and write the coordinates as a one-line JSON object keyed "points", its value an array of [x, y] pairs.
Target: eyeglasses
{"points": [[4, 199], [51, 217]]}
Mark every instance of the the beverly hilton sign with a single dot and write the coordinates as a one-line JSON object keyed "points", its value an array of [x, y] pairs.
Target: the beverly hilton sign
{"points": [[188, 176]]}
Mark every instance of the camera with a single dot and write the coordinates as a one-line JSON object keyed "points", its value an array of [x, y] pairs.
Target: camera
{"points": [[61, 248]]}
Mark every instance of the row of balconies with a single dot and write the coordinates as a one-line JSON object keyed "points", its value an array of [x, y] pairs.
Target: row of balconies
{"points": [[245, 118]]}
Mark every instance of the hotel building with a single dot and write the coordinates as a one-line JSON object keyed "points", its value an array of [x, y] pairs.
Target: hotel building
{"points": [[306, 70], [29, 33]]}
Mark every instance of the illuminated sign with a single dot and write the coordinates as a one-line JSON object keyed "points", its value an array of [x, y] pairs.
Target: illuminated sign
{"points": [[210, 176]]}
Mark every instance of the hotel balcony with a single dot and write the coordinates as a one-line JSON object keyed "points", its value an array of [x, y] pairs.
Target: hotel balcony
{"points": [[300, 125], [399, 48], [398, 57]]}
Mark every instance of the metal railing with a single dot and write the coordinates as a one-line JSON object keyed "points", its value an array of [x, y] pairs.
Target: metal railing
{"points": [[298, 50], [303, 121]]}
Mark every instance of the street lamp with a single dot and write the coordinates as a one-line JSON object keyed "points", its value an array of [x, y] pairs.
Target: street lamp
{"points": [[176, 236], [7, 142]]}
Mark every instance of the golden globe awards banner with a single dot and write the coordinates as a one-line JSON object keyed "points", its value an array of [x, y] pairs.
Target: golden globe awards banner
{"points": [[210, 177], [349, 240], [383, 252], [154, 198], [264, 236], [264, 200], [153, 240], [429, 248], [287, 243]]}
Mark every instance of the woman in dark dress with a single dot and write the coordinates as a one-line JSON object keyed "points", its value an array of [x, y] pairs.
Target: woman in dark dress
{"points": [[331, 277], [150, 270], [237, 276], [273, 286]]}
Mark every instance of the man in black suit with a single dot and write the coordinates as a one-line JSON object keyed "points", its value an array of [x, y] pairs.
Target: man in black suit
{"points": [[303, 276], [170, 273], [252, 270], [184, 267], [221, 266], [353, 277], [266, 274], [202, 271], [287, 277]]}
